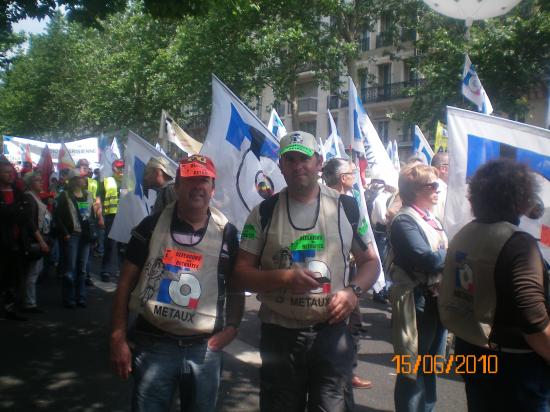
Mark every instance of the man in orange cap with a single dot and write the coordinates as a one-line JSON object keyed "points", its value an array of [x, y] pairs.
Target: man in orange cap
{"points": [[178, 276]]}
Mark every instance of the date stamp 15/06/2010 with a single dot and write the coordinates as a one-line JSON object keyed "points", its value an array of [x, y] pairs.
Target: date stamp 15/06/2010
{"points": [[438, 364]]}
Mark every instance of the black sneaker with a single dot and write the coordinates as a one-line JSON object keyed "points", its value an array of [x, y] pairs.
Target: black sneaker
{"points": [[105, 277], [89, 282]]}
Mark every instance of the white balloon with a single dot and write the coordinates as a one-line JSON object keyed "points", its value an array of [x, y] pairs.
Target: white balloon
{"points": [[471, 10]]}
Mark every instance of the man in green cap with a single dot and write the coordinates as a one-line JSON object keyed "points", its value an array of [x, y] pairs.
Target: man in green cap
{"points": [[294, 253]]}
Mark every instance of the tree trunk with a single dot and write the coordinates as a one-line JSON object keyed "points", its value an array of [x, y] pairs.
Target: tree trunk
{"points": [[293, 102]]}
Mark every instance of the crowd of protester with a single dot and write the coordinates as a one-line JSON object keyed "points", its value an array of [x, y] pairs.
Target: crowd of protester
{"points": [[309, 353], [51, 227]]}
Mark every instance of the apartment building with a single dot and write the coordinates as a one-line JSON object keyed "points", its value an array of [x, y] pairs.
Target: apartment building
{"points": [[385, 78]]}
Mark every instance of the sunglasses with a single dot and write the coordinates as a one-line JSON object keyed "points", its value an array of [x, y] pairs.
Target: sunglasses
{"points": [[432, 186]]}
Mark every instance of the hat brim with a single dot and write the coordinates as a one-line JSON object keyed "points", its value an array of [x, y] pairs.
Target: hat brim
{"points": [[295, 147]]}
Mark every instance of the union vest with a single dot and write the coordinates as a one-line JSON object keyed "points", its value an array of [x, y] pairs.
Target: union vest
{"points": [[322, 249], [179, 290], [467, 296], [110, 203]]}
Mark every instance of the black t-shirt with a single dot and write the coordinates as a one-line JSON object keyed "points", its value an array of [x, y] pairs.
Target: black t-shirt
{"points": [[182, 233]]}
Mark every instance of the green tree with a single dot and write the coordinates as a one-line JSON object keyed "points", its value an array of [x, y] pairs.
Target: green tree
{"points": [[511, 55]]}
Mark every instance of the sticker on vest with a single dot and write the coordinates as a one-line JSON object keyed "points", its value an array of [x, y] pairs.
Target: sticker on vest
{"points": [[184, 292], [464, 277], [249, 232], [306, 246], [175, 260], [362, 229]]}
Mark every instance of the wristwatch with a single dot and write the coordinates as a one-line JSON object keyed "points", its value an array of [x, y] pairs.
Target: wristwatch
{"points": [[356, 289]]}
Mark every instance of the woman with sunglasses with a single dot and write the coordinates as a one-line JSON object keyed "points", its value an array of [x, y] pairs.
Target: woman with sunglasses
{"points": [[419, 245]]}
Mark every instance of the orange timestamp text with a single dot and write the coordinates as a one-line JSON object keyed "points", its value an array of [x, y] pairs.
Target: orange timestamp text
{"points": [[438, 364]]}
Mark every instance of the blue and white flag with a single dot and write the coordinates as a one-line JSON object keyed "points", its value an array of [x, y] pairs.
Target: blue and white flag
{"points": [[421, 148], [333, 146], [115, 148], [473, 90], [245, 154], [475, 139], [366, 141], [159, 148], [135, 202], [395, 156], [276, 125]]}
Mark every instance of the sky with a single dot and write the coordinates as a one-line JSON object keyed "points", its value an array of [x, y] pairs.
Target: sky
{"points": [[33, 26]]}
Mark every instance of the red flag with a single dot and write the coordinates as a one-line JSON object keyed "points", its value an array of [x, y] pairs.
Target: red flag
{"points": [[28, 154], [45, 167]]}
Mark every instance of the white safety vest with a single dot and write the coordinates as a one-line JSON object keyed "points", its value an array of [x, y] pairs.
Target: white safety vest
{"points": [[467, 297], [179, 290], [321, 249]]}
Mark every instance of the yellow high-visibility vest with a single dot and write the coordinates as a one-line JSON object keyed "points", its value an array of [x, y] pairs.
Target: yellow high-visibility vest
{"points": [[92, 188], [110, 203]]}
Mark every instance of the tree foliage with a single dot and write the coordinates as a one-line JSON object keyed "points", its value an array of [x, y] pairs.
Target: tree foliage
{"points": [[511, 55], [148, 56]]}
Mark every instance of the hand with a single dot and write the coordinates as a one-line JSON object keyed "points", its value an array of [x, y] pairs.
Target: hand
{"points": [[299, 280], [66, 238], [223, 338], [121, 358], [341, 305]]}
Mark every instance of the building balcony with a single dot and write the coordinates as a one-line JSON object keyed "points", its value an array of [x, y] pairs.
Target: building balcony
{"points": [[389, 91], [333, 102], [384, 39], [307, 104]]}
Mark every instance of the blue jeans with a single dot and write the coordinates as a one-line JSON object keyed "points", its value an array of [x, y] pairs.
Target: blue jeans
{"points": [[75, 252], [160, 365], [420, 395], [522, 381]]}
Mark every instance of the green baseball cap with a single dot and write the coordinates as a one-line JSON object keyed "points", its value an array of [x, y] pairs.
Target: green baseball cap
{"points": [[302, 142]]}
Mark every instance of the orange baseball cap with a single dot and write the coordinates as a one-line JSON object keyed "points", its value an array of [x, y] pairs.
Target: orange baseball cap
{"points": [[197, 165]]}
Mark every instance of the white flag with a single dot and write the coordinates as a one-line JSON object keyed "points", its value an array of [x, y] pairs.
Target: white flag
{"points": [[364, 225], [245, 154], [106, 163], [135, 203], [472, 88], [276, 125], [475, 139], [333, 146], [157, 146], [115, 149], [395, 156], [365, 139], [421, 148], [171, 131]]}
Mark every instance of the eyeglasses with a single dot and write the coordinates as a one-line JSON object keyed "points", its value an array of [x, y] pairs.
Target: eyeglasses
{"points": [[432, 186], [347, 173]]}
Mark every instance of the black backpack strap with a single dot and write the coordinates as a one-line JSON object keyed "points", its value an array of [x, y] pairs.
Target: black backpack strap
{"points": [[351, 209], [266, 210]]}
